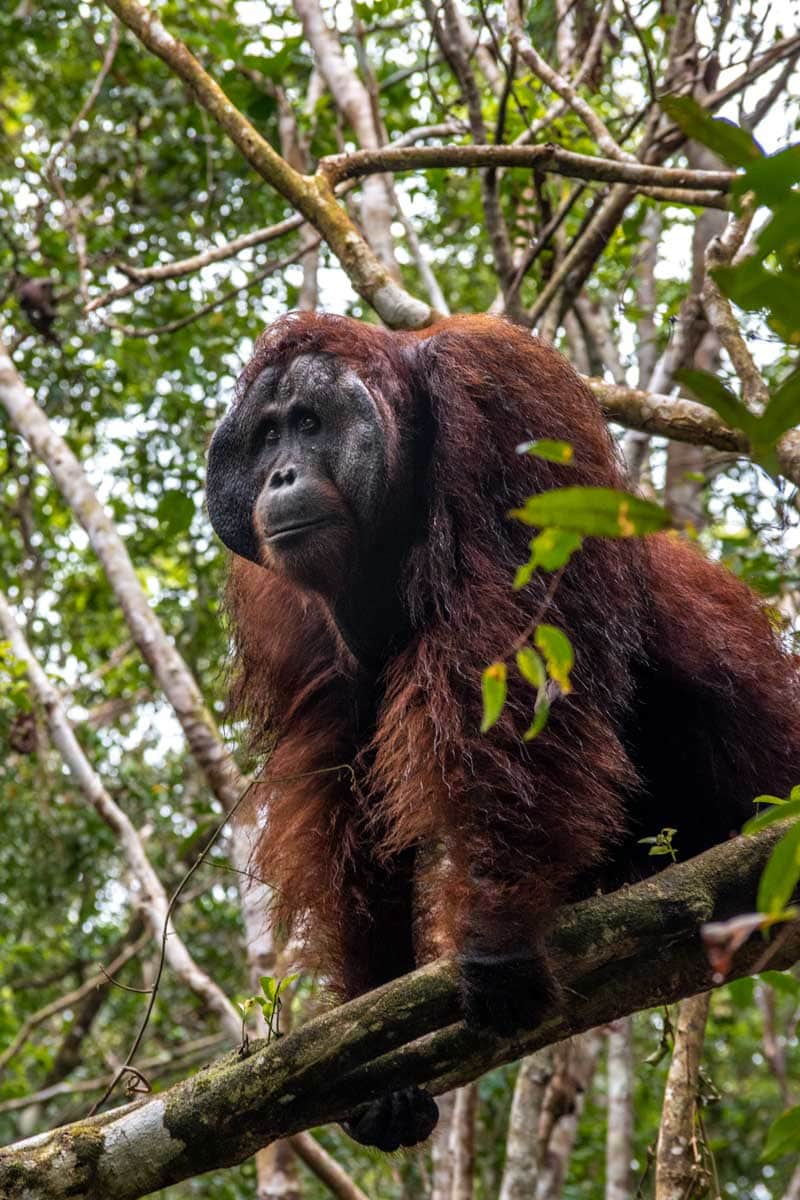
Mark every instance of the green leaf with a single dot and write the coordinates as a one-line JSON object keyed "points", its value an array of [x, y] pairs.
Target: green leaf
{"points": [[494, 688], [531, 667], [540, 715], [781, 873], [741, 991], [780, 810], [782, 982], [593, 511], [175, 510], [755, 289], [523, 575], [783, 1136], [268, 987], [552, 548], [557, 452], [781, 413], [558, 654], [734, 145], [712, 391], [286, 982], [773, 176]]}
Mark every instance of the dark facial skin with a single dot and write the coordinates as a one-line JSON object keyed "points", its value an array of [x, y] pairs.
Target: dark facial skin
{"points": [[298, 481]]}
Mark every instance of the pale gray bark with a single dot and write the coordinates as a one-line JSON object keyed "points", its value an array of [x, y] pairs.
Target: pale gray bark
{"points": [[563, 1103], [158, 651], [619, 1127], [462, 1142], [441, 1160], [352, 99], [522, 1162], [679, 1169], [148, 893]]}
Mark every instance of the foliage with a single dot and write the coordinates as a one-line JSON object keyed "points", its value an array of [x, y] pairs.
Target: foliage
{"points": [[147, 178]]}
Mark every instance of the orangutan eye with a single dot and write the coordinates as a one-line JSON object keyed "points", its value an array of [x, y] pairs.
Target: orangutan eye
{"points": [[308, 423]]}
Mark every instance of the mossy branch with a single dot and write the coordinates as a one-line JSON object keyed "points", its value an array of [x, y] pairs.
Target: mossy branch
{"points": [[615, 954]]}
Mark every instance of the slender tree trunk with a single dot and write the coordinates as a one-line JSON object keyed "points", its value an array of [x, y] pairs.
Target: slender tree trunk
{"points": [[522, 1165], [442, 1179], [462, 1142], [563, 1104], [619, 1132], [679, 1174]]}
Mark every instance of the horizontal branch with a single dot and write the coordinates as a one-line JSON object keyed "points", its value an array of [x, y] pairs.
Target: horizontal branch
{"points": [[548, 157], [685, 421], [140, 277], [615, 954]]}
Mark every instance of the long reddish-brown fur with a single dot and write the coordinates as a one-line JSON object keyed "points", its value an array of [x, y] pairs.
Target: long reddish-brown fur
{"points": [[683, 708]]}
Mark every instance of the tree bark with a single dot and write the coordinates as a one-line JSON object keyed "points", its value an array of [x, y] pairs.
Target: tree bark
{"points": [[615, 954], [522, 1159], [619, 1130], [679, 1174]]}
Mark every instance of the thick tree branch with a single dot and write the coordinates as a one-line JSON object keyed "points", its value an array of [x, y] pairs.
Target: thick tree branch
{"points": [[616, 954], [547, 157], [686, 421], [311, 196]]}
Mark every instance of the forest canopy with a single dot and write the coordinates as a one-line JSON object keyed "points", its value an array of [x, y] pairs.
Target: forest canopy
{"points": [[620, 179]]}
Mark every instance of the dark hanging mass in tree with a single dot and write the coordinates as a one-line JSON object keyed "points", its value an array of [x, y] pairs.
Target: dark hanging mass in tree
{"points": [[38, 301], [363, 480]]}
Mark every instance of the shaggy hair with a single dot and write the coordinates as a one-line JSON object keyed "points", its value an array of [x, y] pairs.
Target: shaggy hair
{"points": [[683, 708]]}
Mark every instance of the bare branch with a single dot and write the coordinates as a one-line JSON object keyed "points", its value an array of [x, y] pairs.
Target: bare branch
{"points": [[561, 86], [547, 157], [352, 99], [450, 33], [786, 48], [720, 252], [158, 651], [686, 421], [69, 999], [310, 196], [137, 331], [143, 276], [157, 1064]]}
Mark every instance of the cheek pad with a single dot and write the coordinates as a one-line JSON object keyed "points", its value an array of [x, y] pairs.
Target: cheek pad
{"points": [[361, 473]]}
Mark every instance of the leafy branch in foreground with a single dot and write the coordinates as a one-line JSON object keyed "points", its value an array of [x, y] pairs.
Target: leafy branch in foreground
{"points": [[565, 517]]}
